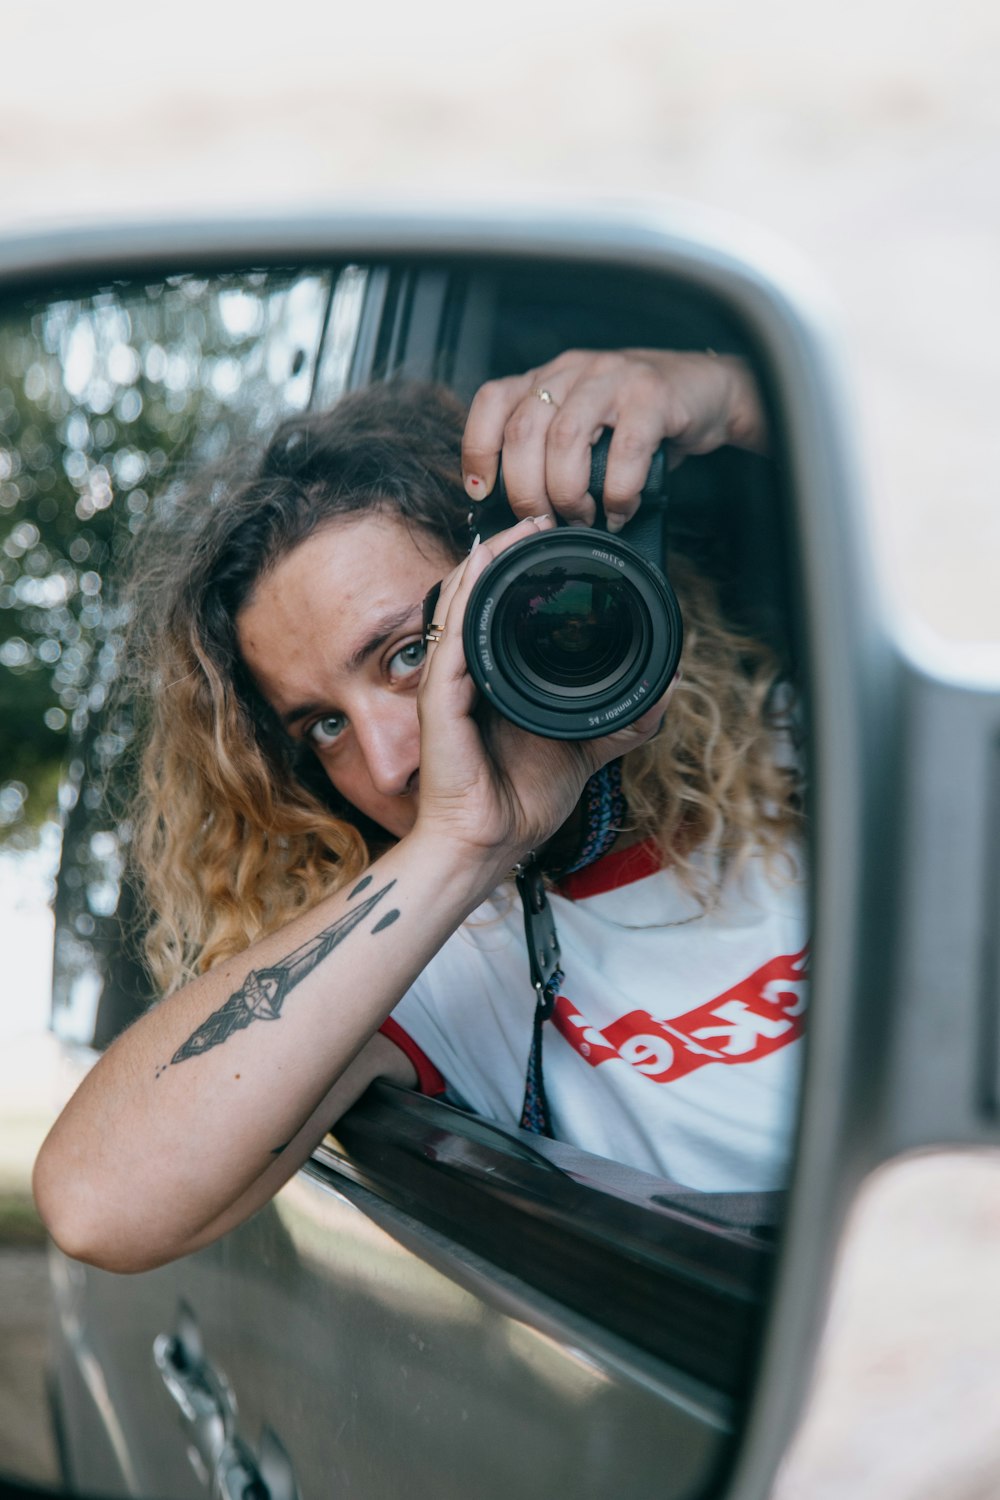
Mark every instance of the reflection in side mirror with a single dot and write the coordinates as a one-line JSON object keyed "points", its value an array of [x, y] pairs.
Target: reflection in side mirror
{"points": [[635, 1249]]}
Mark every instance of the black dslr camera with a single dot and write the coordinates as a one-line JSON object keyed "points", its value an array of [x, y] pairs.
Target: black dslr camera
{"points": [[576, 632]]}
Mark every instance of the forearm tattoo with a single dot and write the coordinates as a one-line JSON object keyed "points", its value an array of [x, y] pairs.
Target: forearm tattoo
{"points": [[264, 991]]}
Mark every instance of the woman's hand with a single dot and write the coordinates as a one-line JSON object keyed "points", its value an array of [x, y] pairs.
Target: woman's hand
{"points": [[494, 789], [546, 421]]}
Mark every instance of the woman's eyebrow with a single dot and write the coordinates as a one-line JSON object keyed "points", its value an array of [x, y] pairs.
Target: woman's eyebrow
{"points": [[383, 630], [301, 711]]}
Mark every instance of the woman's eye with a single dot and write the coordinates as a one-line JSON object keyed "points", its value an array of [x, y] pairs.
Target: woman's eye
{"points": [[326, 731], [407, 659]]}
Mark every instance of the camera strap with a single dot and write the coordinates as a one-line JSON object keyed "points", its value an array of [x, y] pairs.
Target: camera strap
{"points": [[603, 815], [546, 976]]}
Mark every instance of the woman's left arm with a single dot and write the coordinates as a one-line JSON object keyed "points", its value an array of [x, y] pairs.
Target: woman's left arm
{"points": [[546, 421]]}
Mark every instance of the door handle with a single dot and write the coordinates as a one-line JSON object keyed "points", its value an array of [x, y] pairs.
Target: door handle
{"points": [[201, 1393], [207, 1405], [238, 1477]]}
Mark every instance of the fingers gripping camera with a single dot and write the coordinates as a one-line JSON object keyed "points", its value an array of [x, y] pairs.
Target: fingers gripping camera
{"points": [[576, 632]]}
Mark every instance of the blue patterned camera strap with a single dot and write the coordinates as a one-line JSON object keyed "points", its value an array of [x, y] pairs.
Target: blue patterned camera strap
{"points": [[603, 815]]}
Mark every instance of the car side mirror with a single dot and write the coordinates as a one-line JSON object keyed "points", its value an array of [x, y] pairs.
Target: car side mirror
{"points": [[903, 803]]}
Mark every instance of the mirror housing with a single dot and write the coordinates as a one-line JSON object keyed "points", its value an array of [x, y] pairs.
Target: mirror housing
{"points": [[904, 1037]]}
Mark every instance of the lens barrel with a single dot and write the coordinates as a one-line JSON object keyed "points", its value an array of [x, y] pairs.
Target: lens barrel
{"points": [[572, 633]]}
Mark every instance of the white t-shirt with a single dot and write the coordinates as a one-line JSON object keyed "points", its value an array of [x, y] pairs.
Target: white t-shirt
{"points": [[675, 1043]]}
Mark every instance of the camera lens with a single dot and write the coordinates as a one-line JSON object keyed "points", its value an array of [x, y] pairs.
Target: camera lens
{"points": [[572, 634], [569, 629]]}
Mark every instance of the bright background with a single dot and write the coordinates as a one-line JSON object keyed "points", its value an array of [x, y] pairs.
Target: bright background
{"points": [[868, 135]]}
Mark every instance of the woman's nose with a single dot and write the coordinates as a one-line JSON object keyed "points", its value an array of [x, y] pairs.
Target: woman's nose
{"points": [[390, 743]]}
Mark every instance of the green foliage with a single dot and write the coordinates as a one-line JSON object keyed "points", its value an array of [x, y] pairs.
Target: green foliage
{"points": [[106, 401]]}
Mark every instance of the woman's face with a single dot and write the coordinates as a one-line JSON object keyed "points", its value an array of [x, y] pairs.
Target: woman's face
{"points": [[332, 635]]}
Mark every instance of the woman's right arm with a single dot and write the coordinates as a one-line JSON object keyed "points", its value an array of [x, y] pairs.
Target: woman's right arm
{"points": [[198, 1113]]}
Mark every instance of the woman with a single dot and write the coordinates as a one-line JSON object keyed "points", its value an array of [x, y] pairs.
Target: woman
{"points": [[323, 810]]}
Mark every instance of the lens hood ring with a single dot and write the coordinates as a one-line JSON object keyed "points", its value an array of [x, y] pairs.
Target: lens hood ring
{"points": [[572, 634]]}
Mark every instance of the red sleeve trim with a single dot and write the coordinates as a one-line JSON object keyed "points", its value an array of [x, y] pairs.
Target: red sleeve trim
{"points": [[429, 1080]]}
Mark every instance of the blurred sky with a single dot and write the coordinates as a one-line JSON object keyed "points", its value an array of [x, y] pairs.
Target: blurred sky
{"points": [[26, 938]]}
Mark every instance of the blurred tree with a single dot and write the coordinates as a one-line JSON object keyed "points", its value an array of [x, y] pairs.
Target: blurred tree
{"points": [[106, 401]]}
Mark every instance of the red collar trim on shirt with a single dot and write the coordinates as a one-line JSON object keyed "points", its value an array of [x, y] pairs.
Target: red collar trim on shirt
{"points": [[620, 867]]}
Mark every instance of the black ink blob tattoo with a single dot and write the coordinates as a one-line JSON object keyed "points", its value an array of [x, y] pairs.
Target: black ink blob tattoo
{"points": [[386, 921], [264, 991], [361, 885]]}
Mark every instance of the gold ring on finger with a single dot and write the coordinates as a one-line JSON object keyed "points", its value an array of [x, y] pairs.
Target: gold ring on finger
{"points": [[543, 395], [434, 632]]}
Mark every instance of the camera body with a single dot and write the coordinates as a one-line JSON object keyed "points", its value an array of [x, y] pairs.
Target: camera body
{"points": [[575, 632]]}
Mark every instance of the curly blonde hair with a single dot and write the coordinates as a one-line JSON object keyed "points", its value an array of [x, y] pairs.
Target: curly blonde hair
{"points": [[721, 779], [235, 830]]}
